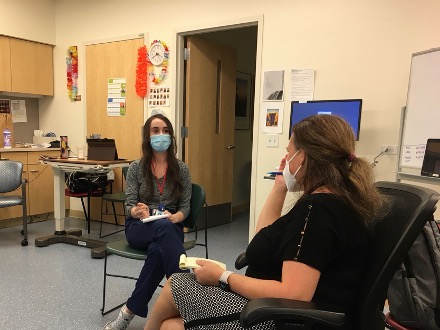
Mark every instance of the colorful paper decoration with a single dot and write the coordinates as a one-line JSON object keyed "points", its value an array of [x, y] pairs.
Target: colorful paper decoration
{"points": [[141, 72], [72, 72]]}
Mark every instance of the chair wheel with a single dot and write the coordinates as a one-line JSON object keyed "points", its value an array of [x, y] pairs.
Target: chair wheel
{"points": [[24, 242]]}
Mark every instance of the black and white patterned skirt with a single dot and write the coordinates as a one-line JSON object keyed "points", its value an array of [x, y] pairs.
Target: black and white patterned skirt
{"points": [[208, 307]]}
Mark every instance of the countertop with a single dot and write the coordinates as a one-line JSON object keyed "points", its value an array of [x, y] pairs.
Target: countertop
{"points": [[28, 149]]}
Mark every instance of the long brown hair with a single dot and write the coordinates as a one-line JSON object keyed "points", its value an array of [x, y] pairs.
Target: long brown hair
{"points": [[173, 172], [329, 145]]}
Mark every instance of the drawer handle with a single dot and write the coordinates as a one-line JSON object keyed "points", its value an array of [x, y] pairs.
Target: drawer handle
{"points": [[33, 171], [4, 158]]}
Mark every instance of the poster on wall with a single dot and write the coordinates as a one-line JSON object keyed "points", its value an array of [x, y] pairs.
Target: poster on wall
{"points": [[18, 110], [272, 117], [303, 85], [5, 106], [273, 87], [159, 96], [244, 87], [116, 105]]}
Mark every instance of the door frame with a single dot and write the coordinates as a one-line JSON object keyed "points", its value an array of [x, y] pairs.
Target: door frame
{"points": [[180, 77]]}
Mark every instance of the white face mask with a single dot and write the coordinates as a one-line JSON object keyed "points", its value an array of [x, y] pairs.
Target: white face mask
{"points": [[289, 178]]}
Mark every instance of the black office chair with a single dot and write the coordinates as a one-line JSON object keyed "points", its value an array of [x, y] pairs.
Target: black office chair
{"points": [[408, 210], [122, 249], [10, 180]]}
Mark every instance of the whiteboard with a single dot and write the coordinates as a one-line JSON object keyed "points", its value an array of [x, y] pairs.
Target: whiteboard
{"points": [[422, 115]]}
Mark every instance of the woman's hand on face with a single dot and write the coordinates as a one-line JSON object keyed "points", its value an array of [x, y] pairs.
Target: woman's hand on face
{"points": [[209, 272], [140, 211], [279, 179]]}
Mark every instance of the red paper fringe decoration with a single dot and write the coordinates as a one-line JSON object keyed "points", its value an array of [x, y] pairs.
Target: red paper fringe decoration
{"points": [[141, 72]]}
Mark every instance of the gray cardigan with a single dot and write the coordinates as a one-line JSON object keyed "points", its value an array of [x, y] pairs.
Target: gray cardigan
{"points": [[136, 190]]}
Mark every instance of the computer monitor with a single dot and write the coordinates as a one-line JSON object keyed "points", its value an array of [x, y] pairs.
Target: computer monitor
{"points": [[431, 160], [102, 149], [350, 110]]}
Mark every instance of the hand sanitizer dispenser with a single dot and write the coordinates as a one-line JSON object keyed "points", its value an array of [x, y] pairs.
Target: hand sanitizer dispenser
{"points": [[7, 136]]}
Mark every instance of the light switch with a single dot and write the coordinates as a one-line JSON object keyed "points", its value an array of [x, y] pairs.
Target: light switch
{"points": [[272, 140]]}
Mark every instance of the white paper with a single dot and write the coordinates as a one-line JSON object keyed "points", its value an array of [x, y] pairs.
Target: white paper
{"points": [[303, 85], [412, 155], [155, 217], [18, 110], [272, 117], [273, 89], [116, 105]]}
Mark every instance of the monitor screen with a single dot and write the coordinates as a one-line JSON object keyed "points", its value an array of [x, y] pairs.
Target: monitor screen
{"points": [[350, 110]]}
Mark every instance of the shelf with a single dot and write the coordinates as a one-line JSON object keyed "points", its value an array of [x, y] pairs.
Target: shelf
{"points": [[417, 177]]}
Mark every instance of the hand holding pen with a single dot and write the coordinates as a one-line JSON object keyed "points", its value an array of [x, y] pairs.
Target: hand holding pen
{"points": [[140, 211]]}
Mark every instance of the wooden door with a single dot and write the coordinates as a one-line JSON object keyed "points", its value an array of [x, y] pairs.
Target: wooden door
{"points": [[209, 116], [114, 60]]}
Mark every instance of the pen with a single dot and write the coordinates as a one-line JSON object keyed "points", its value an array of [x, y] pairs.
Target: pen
{"points": [[275, 173]]}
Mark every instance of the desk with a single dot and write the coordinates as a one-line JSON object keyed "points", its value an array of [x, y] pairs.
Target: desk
{"points": [[60, 167]]}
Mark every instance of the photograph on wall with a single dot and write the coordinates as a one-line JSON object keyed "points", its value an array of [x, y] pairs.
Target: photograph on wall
{"points": [[5, 106], [243, 100], [273, 86], [272, 117], [159, 96]]}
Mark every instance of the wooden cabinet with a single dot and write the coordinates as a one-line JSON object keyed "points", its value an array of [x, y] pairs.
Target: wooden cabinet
{"points": [[40, 183], [26, 66], [5, 64], [40, 192]]}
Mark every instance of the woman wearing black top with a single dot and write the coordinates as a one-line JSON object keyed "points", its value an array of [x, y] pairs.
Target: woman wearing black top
{"points": [[315, 252]]}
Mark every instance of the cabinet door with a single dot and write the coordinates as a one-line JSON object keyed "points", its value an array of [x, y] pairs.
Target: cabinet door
{"points": [[5, 65], [15, 211], [40, 189], [40, 184], [31, 67]]}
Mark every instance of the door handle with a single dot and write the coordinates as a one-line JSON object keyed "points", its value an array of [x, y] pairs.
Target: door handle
{"points": [[230, 146]]}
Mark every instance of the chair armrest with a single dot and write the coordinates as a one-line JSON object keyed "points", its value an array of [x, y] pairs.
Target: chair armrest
{"points": [[241, 261], [287, 310]]}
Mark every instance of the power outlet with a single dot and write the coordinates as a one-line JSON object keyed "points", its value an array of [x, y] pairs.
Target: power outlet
{"points": [[272, 140], [391, 149]]}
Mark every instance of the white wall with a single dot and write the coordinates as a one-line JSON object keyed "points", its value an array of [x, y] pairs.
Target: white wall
{"points": [[359, 49], [28, 19]]}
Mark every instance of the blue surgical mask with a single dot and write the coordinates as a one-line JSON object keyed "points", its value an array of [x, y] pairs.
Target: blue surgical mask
{"points": [[161, 142]]}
